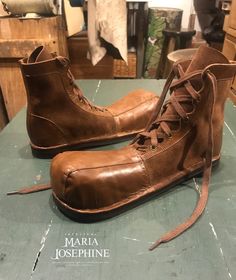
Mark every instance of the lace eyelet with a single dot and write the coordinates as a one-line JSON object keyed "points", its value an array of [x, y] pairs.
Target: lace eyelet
{"points": [[186, 119]]}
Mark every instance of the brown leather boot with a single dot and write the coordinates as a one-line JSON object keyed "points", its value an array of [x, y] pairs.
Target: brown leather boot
{"points": [[60, 118], [182, 142]]}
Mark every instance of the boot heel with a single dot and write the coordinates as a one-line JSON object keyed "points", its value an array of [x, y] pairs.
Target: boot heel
{"points": [[42, 154], [47, 153]]}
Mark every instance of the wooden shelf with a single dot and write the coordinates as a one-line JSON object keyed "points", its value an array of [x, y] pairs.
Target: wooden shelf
{"points": [[18, 38]]}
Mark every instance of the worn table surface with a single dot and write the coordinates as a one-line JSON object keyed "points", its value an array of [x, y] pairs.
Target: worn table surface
{"points": [[32, 230]]}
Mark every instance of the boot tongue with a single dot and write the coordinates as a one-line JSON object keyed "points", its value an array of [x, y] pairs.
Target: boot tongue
{"points": [[39, 54], [204, 57]]}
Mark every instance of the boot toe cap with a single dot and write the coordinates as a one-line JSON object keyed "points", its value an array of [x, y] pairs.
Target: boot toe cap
{"points": [[97, 187]]}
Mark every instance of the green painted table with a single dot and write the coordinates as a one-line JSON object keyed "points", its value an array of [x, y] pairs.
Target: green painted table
{"points": [[33, 231]]}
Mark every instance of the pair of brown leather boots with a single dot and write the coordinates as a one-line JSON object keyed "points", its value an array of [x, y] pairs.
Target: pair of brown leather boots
{"points": [[175, 140]]}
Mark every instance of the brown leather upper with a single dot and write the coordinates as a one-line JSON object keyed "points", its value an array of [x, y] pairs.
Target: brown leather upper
{"points": [[185, 138], [59, 114]]}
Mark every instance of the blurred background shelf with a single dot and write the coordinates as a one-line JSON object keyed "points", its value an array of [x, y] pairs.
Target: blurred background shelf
{"points": [[18, 37]]}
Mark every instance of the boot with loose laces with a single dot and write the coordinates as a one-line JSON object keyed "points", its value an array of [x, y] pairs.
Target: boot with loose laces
{"points": [[60, 118], [184, 140]]}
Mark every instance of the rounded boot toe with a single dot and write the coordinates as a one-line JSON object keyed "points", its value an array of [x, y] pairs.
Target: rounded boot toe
{"points": [[98, 181]]}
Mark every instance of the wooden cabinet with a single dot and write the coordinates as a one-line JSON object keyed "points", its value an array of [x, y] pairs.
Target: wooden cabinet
{"points": [[232, 17], [18, 38], [82, 67], [229, 48]]}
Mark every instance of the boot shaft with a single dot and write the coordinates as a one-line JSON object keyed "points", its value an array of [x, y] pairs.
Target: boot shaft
{"points": [[47, 86], [224, 74], [57, 107]]}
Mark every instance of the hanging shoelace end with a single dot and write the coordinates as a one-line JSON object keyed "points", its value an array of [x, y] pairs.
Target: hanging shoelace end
{"points": [[156, 244], [13, 193], [32, 189]]}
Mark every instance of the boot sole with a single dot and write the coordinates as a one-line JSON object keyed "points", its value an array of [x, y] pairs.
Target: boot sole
{"points": [[50, 152], [82, 217]]}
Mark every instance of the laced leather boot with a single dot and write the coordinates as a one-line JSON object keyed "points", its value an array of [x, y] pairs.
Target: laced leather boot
{"points": [[60, 118], [183, 141]]}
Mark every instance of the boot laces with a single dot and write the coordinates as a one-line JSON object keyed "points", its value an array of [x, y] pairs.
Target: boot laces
{"points": [[161, 129], [65, 62]]}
